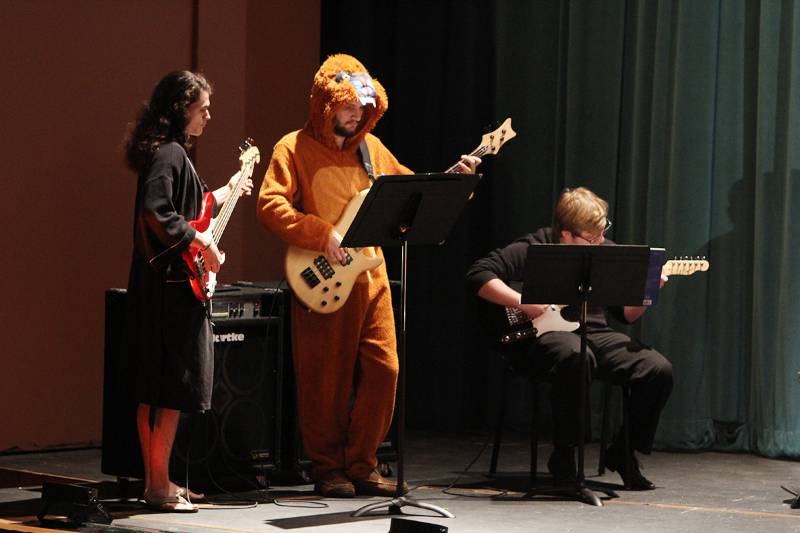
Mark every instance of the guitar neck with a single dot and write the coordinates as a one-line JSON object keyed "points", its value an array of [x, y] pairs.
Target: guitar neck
{"points": [[227, 209], [478, 152], [249, 159], [490, 143]]}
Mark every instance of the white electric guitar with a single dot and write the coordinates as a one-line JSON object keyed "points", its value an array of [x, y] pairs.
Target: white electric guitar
{"points": [[324, 286], [516, 325]]}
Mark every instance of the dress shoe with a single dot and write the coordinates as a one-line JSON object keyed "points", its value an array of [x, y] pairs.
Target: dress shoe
{"points": [[377, 485], [334, 484], [562, 466], [633, 479]]}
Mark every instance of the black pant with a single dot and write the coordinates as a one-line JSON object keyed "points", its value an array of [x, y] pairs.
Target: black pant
{"points": [[613, 356]]}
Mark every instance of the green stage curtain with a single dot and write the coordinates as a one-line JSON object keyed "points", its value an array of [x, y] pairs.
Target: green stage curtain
{"points": [[684, 115]]}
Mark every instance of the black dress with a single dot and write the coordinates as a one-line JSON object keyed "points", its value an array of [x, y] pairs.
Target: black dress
{"points": [[169, 330]]}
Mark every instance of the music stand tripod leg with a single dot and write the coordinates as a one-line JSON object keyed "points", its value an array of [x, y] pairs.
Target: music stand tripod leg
{"points": [[395, 504]]}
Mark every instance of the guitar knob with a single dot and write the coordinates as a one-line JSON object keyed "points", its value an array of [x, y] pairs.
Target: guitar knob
{"points": [[324, 303]]}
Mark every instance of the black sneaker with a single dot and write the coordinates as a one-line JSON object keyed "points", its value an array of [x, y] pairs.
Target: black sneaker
{"points": [[633, 479], [562, 466]]}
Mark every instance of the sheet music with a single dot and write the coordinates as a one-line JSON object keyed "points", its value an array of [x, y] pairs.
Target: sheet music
{"points": [[658, 257]]}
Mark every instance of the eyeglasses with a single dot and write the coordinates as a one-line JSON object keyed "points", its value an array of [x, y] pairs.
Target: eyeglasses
{"points": [[597, 239]]}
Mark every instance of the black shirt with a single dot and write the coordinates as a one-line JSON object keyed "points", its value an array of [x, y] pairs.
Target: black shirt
{"points": [[508, 265]]}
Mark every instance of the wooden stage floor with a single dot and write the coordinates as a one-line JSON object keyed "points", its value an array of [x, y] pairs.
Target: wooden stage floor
{"points": [[702, 492]]}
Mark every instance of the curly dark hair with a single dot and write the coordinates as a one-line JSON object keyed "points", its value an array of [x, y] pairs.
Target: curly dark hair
{"points": [[164, 118]]}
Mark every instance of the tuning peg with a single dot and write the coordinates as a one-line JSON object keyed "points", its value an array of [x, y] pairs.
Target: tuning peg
{"points": [[245, 144]]}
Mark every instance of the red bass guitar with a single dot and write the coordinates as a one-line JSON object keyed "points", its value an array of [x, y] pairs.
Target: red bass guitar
{"points": [[203, 281]]}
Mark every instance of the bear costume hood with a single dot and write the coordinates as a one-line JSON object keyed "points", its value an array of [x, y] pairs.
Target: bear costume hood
{"points": [[341, 79]]}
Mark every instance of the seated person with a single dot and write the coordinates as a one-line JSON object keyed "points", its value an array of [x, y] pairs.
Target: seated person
{"points": [[581, 217]]}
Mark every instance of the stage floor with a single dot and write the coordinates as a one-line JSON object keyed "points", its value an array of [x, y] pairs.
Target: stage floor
{"points": [[708, 492]]}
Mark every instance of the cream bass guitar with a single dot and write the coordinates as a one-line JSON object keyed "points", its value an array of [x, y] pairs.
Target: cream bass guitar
{"points": [[515, 326], [323, 286]]}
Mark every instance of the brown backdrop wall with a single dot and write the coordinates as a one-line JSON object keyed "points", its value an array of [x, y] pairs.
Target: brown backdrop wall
{"points": [[74, 74]]}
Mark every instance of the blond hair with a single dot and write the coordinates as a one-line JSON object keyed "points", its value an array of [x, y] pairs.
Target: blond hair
{"points": [[580, 211]]}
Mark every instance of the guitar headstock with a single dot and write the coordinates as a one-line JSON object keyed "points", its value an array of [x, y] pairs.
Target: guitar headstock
{"points": [[491, 142], [249, 157], [685, 266]]}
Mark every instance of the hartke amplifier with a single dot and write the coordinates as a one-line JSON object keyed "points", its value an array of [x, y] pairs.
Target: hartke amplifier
{"points": [[249, 299], [240, 438]]}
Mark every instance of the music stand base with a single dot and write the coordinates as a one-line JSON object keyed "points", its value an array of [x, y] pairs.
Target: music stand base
{"points": [[395, 504], [794, 491], [582, 493]]}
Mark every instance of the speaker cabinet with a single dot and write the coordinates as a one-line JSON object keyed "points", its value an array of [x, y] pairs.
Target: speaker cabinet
{"points": [[121, 455], [239, 439], [238, 442]]}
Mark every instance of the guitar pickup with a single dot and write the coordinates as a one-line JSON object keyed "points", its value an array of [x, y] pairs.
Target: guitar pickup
{"points": [[324, 267], [347, 258], [309, 277]]}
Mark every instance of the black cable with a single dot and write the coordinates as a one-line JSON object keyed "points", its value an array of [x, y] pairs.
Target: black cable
{"points": [[301, 504], [246, 503], [446, 490]]}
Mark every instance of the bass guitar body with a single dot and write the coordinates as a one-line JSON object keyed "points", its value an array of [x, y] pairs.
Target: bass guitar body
{"points": [[324, 286], [203, 282]]}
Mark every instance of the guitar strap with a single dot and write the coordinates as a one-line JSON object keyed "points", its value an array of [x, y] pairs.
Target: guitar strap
{"points": [[363, 152]]}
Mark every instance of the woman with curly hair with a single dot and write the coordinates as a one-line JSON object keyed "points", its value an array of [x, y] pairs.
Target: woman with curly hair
{"points": [[170, 330]]}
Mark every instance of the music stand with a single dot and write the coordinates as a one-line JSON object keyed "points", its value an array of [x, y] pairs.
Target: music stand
{"points": [[400, 210], [581, 274]]}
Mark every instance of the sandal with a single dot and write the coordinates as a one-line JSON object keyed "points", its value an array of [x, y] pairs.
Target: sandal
{"points": [[171, 504]]}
